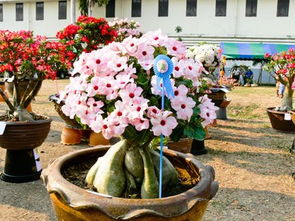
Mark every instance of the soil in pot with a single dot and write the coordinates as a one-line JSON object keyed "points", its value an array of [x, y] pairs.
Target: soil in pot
{"points": [[76, 174]]}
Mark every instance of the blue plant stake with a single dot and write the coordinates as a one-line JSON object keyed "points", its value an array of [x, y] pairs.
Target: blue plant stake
{"points": [[163, 68]]}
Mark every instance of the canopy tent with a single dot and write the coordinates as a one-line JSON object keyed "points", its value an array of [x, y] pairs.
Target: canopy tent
{"points": [[251, 51]]}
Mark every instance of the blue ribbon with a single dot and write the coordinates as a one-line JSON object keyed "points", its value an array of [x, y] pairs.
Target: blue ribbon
{"points": [[163, 76]]}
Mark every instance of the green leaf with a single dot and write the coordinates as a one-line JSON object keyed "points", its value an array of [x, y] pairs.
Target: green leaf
{"points": [[194, 132], [130, 133], [177, 133], [143, 137]]}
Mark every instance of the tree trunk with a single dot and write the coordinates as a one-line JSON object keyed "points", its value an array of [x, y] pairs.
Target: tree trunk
{"points": [[287, 103]]}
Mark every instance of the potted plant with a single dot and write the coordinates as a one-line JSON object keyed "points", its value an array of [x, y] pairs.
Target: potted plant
{"points": [[121, 96], [88, 34], [283, 66], [28, 61]]}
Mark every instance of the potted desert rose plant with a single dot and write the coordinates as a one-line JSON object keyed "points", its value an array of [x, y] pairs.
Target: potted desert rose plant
{"points": [[283, 66], [88, 34], [28, 60], [117, 93]]}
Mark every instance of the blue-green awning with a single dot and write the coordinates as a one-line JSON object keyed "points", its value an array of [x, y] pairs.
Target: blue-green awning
{"points": [[254, 51]]}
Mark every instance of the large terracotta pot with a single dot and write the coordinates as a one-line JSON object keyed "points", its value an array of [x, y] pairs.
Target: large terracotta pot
{"points": [[183, 145], [72, 203], [20, 139], [278, 122]]}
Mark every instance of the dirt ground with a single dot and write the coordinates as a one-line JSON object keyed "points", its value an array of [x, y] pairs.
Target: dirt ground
{"points": [[252, 162]]}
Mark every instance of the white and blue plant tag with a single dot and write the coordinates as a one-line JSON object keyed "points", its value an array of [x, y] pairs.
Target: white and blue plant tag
{"points": [[163, 68], [2, 127]]}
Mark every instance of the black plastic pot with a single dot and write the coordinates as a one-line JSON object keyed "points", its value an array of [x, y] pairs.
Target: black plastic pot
{"points": [[198, 147]]}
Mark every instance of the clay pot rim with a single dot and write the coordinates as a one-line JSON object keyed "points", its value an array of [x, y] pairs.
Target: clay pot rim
{"points": [[77, 197], [271, 110], [36, 122]]}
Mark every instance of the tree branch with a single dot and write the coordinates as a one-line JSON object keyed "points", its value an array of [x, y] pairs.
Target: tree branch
{"points": [[9, 104], [33, 93]]}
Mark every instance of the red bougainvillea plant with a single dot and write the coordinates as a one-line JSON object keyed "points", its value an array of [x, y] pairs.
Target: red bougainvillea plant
{"points": [[283, 65], [87, 34], [27, 61]]}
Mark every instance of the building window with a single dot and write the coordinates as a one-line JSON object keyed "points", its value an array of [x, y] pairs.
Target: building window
{"points": [[283, 8], [19, 11], [136, 8], [110, 9], [39, 10], [191, 7], [1, 12], [163, 8], [220, 9], [251, 8], [62, 10]]}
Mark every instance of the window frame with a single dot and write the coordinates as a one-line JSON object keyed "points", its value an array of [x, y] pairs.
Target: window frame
{"points": [[279, 11], [60, 15], [189, 4], [249, 12], [163, 4], [111, 9], [38, 16], [217, 2], [19, 15], [136, 6], [1, 12]]}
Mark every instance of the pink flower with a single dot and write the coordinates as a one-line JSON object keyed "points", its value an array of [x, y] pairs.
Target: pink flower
{"points": [[96, 124], [153, 112], [95, 106], [131, 45], [181, 91], [176, 48], [118, 63], [145, 52], [178, 68], [163, 124], [137, 108], [140, 123], [184, 107], [208, 110], [130, 92]]}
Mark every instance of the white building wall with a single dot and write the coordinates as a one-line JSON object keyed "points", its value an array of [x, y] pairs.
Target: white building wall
{"points": [[234, 25]]}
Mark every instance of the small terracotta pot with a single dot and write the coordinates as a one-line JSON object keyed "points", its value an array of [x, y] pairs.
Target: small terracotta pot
{"points": [[97, 139], [2, 86], [184, 145], [70, 136], [278, 122], [72, 203], [293, 116], [225, 103], [29, 108]]}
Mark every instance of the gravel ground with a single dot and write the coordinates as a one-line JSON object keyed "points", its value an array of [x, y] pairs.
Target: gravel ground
{"points": [[252, 162]]}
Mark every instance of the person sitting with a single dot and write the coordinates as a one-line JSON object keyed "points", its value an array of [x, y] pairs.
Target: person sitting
{"points": [[248, 77]]}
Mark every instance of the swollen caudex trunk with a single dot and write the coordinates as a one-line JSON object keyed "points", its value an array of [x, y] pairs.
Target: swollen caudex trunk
{"points": [[127, 170], [110, 177], [22, 114]]}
